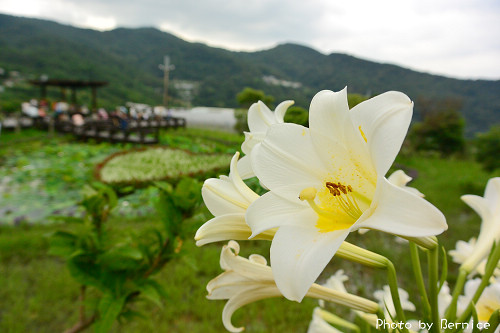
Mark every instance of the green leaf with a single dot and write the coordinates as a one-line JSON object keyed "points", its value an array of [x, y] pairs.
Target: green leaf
{"points": [[150, 292], [109, 308], [84, 271], [121, 257], [167, 187], [475, 320], [131, 314], [170, 216], [63, 244], [494, 321]]}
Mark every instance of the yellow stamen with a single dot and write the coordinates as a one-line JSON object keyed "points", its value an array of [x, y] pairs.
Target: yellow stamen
{"points": [[309, 194], [347, 201], [362, 134]]}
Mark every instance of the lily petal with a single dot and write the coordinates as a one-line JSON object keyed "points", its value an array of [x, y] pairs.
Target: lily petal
{"points": [[245, 167], [402, 213], [481, 206], [271, 211], [327, 113], [260, 117], [384, 121], [279, 112], [287, 154], [221, 197], [299, 255], [246, 297], [224, 227]]}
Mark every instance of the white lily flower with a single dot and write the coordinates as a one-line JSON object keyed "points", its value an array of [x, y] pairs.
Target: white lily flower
{"points": [[464, 250], [260, 118], [486, 304], [227, 198], [488, 207], [384, 298], [320, 325], [328, 180], [248, 280], [400, 178], [444, 299]]}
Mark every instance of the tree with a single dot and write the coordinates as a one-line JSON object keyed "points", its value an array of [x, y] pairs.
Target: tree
{"points": [[248, 96], [442, 127], [488, 148]]}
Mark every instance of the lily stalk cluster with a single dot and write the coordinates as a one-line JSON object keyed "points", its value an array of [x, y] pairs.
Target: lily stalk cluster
{"points": [[322, 183]]}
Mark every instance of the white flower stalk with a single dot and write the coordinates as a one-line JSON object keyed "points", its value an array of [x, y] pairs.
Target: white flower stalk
{"points": [[328, 180], [248, 280], [260, 118], [319, 324], [227, 198], [488, 208]]}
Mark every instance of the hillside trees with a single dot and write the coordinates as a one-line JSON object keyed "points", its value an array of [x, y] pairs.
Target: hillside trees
{"points": [[488, 148], [442, 128]]}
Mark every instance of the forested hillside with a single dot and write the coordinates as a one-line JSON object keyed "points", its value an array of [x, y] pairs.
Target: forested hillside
{"points": [[128, 59]]}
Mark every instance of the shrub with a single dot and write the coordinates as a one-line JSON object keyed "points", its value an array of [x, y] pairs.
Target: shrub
{"points": [[488, 148]]}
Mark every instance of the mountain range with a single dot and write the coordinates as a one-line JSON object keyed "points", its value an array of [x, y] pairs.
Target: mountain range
{"points": [[129, 60]]}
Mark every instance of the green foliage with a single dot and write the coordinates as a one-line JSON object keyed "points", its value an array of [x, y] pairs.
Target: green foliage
{"points": [[488, 148], [355, 99], [144, 166], [442, 129], [297, 115], [248, 96], [120, 265]]}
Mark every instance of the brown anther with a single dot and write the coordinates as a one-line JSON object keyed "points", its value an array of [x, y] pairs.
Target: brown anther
{"points": [[349, 188]]}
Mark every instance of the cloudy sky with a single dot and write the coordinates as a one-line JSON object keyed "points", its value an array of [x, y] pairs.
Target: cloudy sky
{"points": [[457, 38]]}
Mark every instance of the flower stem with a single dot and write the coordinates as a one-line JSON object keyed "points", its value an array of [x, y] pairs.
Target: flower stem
{"points": [[361, 256], [417, 270], [451, 312], [433, 287], [336, 320], [393, 285]]}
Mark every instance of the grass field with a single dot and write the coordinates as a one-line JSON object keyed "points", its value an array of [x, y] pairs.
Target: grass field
{"points": [[37, 293]]}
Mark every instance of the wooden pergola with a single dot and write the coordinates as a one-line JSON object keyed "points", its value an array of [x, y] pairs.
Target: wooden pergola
{"points": [[73, 85]]}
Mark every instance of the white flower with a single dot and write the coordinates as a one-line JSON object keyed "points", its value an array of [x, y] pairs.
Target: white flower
{"points": [[488, 207], [384, 298], [227, 198], [486, 304], [464, 250], [248, 280], [260, 118], [400, 178], [320, 325], [328, 180], [444, 299]]}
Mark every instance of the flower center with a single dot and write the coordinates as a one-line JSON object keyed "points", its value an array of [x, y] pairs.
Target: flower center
{"points": [[338, 208], [345, 199]]}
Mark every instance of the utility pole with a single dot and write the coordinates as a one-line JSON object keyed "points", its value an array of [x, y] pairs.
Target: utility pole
{"points": [[166, 67]]}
